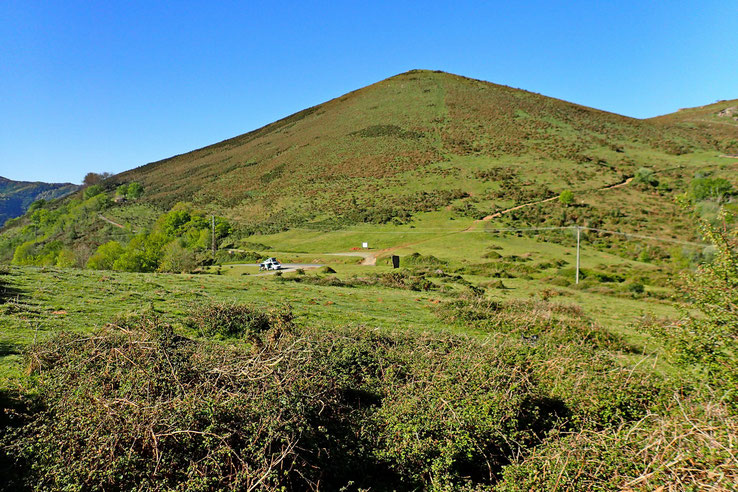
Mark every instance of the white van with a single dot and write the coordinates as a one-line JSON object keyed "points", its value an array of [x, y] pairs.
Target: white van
{"points": [[270, 264]]}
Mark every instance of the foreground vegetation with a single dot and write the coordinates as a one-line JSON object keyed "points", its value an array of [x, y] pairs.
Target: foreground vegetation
{"points": [[465, 392]]}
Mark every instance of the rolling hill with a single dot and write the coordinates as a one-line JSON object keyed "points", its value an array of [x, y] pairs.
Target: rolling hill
{"points": [[422, 132], [17, 196], [431, 142], [715, 123]]}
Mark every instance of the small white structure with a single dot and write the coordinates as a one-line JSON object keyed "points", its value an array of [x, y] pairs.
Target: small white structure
{"points": [[365, 245]]}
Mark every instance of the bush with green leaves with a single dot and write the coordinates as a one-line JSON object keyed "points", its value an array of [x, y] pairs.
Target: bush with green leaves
{"points": [[707, 342], [566, 197], [687, 445], [239, 321], [303, 409], [105, 256], [176, 258], [92, 191], [645, 177], [134, 191], [299, 406], [707, 188]]}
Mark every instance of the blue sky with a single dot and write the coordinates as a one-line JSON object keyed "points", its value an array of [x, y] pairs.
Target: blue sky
{"points": [[108, 86]]}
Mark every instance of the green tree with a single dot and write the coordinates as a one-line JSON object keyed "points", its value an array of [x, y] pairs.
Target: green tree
{"points": [[708, 341], [566, 197], [24, 254], [91, 191], [66, 259], [177, 258], [143, 254], [105, 256], [717, 189], [135, 190]]}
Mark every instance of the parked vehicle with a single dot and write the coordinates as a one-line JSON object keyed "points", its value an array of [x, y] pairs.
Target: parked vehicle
{"points": [[270, 264]]}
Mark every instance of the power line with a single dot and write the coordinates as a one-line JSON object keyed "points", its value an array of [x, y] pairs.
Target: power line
{"points": [[640, 236], [524, 229]]}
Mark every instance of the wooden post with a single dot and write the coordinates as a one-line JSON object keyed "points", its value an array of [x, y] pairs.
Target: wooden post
{"points": [[579, 229], [212, 221]]}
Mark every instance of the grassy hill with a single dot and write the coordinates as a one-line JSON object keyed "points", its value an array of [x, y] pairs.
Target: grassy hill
{"points": [[416, 142], [428, 151], [17, 196], [716, 123]]}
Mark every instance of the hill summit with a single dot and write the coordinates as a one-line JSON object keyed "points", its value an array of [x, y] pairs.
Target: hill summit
{"points": [[422, 142], [421, 131]]}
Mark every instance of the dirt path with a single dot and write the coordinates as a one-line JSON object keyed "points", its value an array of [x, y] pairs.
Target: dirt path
{"points": [[286, 267], [371, 258], [518, 207], [102, 217]]}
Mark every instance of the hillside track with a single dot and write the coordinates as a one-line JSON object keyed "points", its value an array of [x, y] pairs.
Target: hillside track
{"points": [[518, 207], [286, 268], [111, 222], [371, 259]]}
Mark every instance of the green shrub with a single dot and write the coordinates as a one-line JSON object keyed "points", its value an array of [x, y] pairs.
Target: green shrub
{"points": [[682, 446], [416, 259], [177, 259], [134, 191], [707, 342], [645, 177], [385, 411], [105, 256], [92, 191], [716, 189], [566, 197], [239, 321], [636, 288], [66, 259]]}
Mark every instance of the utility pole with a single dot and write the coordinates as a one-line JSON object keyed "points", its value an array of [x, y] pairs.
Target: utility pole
{"points": [[579, 229], [212, 222]]}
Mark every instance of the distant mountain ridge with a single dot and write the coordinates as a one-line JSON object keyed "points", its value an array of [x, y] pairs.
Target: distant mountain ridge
{"points": [[17, 196]]}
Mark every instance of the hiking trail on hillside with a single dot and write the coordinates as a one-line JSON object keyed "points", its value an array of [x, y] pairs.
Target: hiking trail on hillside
{"points": [[371, 258]]}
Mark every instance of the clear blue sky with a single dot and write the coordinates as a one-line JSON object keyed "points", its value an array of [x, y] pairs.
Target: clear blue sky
{"points": [[107, 86]]}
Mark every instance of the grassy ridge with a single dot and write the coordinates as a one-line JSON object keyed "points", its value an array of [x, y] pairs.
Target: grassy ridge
{"points": [[368, 154], [425, 149]]}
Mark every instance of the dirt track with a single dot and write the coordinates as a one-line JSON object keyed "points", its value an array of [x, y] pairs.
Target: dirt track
{"points": [[371, 259], [508, 210]]}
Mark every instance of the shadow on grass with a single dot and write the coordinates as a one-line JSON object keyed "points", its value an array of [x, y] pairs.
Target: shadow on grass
{"points": [[8, 291], [14, 412], [8, 348]]}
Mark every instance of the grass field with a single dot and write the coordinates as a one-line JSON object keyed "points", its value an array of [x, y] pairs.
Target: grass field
{"points": [[42, 301]]}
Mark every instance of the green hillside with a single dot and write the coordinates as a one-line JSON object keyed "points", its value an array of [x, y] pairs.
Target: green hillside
{"points": [[714, 123], [17, 196], [421, 149], [367, 155]]}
